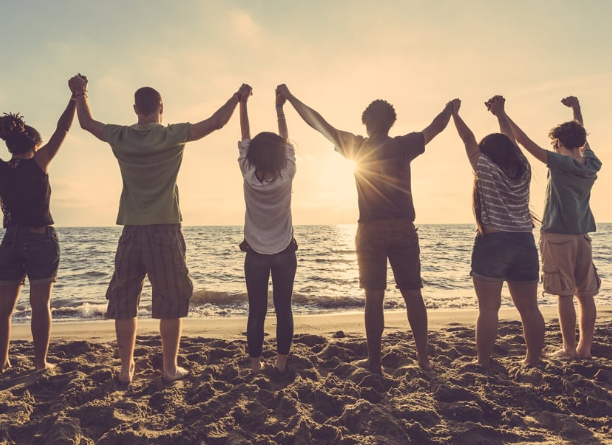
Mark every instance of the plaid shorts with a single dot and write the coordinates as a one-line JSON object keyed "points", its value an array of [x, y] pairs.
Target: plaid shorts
{"points": [[395, 239], [156, 250]]}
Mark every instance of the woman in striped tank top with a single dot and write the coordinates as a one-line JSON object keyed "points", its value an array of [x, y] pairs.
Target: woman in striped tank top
{"points": [[504, 248]]}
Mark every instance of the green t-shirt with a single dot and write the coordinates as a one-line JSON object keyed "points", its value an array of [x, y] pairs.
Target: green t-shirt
{"points": [[149, 158], [568, 192]]}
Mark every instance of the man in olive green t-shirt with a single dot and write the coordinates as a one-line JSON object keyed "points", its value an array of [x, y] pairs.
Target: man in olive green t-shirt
{"points": [[151, 243]]}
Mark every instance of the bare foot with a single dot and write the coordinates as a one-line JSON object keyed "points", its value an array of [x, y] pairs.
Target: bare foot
{"points": [[563, 354], [281, 363], [44, 366], [6, 366], [256, 365], [425, 364], [125, 376], [530, 362], [376, 368], [179, 374], [485, 364], [585, 355]]}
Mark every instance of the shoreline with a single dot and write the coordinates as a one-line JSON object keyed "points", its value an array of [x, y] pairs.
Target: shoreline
{"points": [[233, 328]]}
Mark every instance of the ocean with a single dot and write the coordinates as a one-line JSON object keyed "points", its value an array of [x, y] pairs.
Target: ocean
{"points": [[326, 280]]}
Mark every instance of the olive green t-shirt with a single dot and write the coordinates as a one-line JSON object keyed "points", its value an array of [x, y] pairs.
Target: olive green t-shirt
{"points": [[568, 192], [149, 158]]}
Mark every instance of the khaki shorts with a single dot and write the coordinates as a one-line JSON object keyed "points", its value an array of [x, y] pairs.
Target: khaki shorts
{"points": [[158, 251], [395, 239], [567, 265]]}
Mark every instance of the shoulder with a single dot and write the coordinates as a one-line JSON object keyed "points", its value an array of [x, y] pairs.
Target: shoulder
{"points": [[414, 141], [111, 131], [243, 146]]}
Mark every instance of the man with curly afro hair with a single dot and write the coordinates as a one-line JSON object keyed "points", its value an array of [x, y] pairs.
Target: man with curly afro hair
{"points": [[386, 214]]}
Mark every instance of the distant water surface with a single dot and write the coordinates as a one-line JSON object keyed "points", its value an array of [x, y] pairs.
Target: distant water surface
{"points": [[326, 280]]}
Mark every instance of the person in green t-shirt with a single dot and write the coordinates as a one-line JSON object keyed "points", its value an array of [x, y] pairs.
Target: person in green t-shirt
{"points": [[567, 262], [152, 242]]}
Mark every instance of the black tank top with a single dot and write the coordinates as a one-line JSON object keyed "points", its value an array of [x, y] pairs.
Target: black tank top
{"points": [[25, 194]]}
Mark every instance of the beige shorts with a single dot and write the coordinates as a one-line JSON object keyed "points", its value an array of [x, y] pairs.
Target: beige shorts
{"points": [[567, 265]]}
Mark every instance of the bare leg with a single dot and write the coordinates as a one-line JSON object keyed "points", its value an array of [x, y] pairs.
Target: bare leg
{"points": [[8, 299], [567, 320], [489, 301], [126, 340], [375, 325], [525, 297], [588, 314], [417, 318], [40, 296], [170, 330], [255, 365], [281, 362]]}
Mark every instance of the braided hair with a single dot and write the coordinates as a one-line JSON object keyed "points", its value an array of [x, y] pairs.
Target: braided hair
{"points": [[19, 137]]}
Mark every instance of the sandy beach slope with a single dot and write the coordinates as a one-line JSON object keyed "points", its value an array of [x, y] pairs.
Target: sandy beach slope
{"points": [[326, 398]]}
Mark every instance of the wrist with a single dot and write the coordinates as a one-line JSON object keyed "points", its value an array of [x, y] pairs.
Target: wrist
{"points": [[78, 94]]}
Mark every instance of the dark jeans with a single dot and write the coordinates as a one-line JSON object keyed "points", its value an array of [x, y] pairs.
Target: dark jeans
{"points": [[257, 270]]}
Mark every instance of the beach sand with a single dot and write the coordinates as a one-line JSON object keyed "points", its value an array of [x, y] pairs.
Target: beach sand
{"points": [[326, 398]]}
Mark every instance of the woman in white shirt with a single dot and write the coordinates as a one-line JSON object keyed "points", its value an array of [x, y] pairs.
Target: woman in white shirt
{"points": [[267, 163]]}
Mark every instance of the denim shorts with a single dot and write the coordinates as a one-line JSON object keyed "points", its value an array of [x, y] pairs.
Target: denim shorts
{"points": [[31, 252], [158, 251], [505, 256], [395, 239]]}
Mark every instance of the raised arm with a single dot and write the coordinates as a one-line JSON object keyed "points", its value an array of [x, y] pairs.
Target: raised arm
{"points": [[280, 116], [46, 153], [78, 86], [216, 121], [310, 116], [496, 105], [439, 123], [244, 93], [537, 152], [467, 136], [573, 103]]}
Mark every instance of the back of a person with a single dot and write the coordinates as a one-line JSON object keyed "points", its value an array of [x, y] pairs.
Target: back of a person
{"points": [[567, 204], [383, 180], [503, 199], [268, 223], [25, 194], [150, 158]]}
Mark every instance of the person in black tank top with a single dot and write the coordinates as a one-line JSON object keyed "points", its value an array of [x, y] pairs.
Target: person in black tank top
{"points": [[30, 246]]}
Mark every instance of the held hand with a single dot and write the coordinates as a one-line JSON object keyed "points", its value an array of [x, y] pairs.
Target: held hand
{"points": [[78, 84], [280, 99], [570, 101], [496, 105], [283, 91], [455, 104], [244, 92]]}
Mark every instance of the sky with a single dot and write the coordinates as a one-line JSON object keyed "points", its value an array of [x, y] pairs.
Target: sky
{"points": [[336, 56]]}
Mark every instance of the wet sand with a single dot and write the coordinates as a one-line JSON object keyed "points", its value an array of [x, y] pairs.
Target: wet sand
{"points": [[326, 398]]}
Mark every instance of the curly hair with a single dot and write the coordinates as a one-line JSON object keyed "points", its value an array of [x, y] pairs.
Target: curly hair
{"points": [[19, 137], [268, 152], [379, 116], [570, 134]]}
